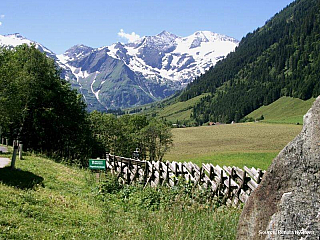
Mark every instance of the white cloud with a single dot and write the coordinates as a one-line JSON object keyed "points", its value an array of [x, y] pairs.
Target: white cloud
{"points": [[131, 37], [0, 23], [2, 16]]}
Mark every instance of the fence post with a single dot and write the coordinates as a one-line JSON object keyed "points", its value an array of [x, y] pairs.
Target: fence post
{"points": [[211, 175], [145, 177], [121, 168], [7, 142], [20, 150], [160, 173], [167, 173], [260, 176], [128, 175], [175, 173], [14, 156]]}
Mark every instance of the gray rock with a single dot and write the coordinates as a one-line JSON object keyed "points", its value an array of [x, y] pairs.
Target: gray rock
{"points": [[286, 204]]}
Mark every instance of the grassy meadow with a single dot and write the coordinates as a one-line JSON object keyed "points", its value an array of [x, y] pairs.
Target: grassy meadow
{"points": [[284, 110], [48, 200], [250, 144], [179, 111]]}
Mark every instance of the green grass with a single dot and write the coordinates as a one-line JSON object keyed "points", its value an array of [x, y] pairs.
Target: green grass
{"points": [[250, 144], [179, 111], [284, 110], [47, 200], [250, 159]]}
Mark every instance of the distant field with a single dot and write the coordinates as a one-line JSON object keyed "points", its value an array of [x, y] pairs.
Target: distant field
{"points": [[284, 110], [250, 144]]}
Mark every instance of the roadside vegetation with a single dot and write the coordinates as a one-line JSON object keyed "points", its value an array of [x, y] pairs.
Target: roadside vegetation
{"points": [[48, 200]]}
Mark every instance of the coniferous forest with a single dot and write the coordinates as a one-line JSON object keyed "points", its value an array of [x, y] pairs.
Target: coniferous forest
{"points": [[279, 59]]}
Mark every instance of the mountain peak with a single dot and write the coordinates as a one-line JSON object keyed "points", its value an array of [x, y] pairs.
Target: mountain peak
{"points": [[78, 51], [166, 34], [15, 35]]}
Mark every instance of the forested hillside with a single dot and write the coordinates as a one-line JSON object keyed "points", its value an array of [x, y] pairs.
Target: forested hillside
{"points": [[279, 59], [40, 109]]}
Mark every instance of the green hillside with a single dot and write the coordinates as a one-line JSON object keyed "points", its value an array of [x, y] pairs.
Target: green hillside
{"points": [[284, 110], [47, 200], [279, 59], [179, 111], [169, 109]]}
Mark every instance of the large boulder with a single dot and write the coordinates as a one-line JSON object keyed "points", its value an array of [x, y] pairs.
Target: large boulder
{"points": [[286, 204]]}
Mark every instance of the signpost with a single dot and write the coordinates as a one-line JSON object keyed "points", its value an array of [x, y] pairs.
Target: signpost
{"points": [[97, 164]]}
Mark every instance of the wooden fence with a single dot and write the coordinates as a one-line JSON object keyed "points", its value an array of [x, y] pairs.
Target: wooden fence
{"points": [[232, 184]]}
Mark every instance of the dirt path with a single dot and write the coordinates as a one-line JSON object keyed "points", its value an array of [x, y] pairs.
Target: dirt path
{"points": [[3, 149], [4, 161]]}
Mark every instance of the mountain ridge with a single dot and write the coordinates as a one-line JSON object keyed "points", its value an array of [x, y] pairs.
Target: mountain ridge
{"points": [[279, 59], [154, 66]]}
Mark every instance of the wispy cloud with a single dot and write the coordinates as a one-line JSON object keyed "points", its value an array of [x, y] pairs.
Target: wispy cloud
{"points": [[131, 37], [0, 23]]}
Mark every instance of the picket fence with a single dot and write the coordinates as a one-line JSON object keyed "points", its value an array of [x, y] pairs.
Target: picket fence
{"points": [[231, 184]]}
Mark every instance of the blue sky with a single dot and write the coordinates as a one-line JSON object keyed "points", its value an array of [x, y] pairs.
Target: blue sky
{"points": [[60, 24]]}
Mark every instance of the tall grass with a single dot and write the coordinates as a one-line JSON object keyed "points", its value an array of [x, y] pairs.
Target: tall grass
{"points": [[46, 200]]}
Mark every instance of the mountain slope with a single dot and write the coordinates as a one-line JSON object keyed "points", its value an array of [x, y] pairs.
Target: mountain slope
{"points": [[279, 59], [154, 67], [126, 75], [13, 40], [284, 110]]}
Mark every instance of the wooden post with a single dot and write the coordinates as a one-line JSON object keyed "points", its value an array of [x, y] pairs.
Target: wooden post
{"points": [[226, 196], [192, 171], [201, 175], [152, 172], [211, 175], [175, 173], [14, 156], [242, 184], [146, 171], [260, 176], [176, 169], [160, 173], [221, 182], [7, 142], [167, 173], [121, 169], [20, 150], [128, 175]]}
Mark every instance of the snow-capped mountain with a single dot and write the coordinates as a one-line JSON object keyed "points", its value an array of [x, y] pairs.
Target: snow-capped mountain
{"points": [[16, 39], [124, 75], [169, 57]]}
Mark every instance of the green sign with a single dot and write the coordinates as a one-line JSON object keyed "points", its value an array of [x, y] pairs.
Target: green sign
{"points": [[97, 164]]}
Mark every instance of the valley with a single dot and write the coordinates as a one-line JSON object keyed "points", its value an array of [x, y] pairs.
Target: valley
{"points": [[241, 144], [90, 131]]}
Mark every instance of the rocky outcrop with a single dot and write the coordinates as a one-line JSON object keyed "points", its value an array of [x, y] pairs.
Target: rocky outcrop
{"points": [[286, 205]]}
